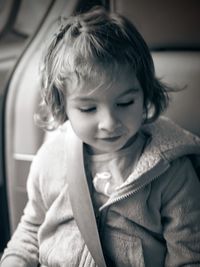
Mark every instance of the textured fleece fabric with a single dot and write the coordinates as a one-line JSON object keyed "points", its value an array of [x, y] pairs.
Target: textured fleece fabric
{"points": [[152, 220]]}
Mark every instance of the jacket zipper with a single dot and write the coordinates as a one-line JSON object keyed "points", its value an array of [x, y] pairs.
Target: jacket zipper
{"points": [[160, 169], [104, 209]]}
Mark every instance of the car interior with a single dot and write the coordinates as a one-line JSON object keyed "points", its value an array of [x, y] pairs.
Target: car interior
{"points": [[170, 29]]}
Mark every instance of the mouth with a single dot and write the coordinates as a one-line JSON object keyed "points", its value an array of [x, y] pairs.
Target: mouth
{"points": [[111, 139]]}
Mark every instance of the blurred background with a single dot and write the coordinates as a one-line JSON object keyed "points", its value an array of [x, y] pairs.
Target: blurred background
{"points": [[171, 30]]}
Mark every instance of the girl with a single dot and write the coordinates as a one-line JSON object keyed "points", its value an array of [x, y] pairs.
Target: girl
{"points": [[141, 174]]}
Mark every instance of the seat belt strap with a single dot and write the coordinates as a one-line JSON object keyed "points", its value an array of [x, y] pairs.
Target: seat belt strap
{"points": [[80, 197]]}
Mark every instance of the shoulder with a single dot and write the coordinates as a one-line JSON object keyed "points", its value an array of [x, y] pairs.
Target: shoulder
{"points": [[167, 130], [50, 158], [170, 140], [47, 174]]}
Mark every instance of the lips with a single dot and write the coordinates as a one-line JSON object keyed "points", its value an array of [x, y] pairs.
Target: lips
{"points": [[111, 138]]}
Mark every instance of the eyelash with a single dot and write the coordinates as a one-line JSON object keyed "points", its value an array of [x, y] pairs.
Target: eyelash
{"points": [[125, 104], [87, 109], [92, 109]]}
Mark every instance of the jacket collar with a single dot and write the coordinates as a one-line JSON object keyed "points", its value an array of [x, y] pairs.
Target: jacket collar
{"points": [[166, 142]]}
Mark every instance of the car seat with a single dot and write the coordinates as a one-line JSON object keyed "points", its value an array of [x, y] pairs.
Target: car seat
{"points": [[171, 31], [16, 29]]}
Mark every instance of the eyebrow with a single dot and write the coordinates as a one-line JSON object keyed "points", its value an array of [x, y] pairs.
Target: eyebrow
{"points": [[127, 92]]}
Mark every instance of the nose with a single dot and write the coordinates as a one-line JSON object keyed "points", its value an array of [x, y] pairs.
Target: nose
{"points": [[108, 121]]}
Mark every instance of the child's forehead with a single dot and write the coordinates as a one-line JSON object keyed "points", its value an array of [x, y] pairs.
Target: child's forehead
{"points": [[88, 84], [102, 81]]}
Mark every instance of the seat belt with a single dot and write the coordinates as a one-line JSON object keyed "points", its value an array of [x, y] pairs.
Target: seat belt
{"points": [[80, 197]]}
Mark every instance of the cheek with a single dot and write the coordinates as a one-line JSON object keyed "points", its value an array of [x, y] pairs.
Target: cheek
{"points": [[83, 127], [135, 118]]}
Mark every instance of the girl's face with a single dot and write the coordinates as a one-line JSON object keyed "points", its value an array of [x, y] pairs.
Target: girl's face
{"points": [[108, 117]]}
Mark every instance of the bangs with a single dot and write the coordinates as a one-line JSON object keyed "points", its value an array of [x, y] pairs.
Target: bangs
{"points": [[85, 70], [91, 46], [87, 60]]}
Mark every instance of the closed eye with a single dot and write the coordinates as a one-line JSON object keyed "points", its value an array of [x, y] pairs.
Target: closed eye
{"points": [[87, 109], [125, 104]]}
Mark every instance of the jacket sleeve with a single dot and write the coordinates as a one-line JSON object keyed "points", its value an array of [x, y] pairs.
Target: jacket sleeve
{"points": [[22, 249], [181, 216]]}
